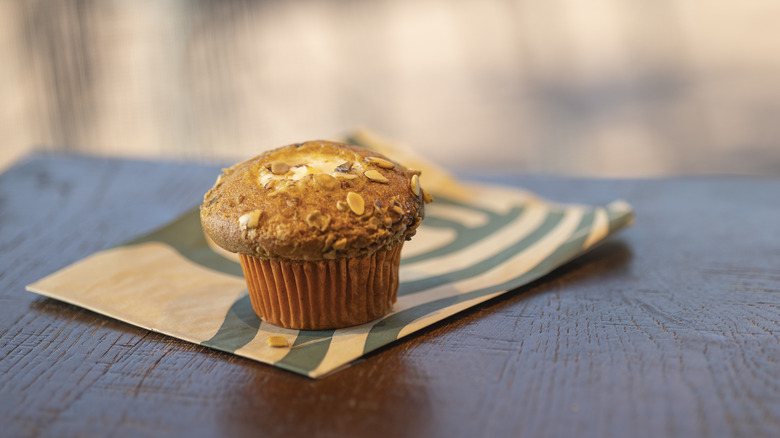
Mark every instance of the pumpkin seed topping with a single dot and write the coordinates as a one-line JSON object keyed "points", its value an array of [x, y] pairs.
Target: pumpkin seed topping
{"points": [[427, 198], [325, 181], [381, 162], [277, 342], [279, 167], [375, 176], [356, 203], [415, 185]]}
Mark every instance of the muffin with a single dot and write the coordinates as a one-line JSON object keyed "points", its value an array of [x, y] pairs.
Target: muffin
{"points": [[318, 227]]}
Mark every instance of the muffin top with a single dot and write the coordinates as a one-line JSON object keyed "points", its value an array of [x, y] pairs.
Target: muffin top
{"points": [[314, 200]]}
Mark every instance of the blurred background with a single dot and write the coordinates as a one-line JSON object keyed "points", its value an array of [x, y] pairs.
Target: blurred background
{"points": [[595, 88]]}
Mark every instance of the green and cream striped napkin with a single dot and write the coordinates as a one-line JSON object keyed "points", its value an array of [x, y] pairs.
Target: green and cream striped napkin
{"points": [[476, 242]]}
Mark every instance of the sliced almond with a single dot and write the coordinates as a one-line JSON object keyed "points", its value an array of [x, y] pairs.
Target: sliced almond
{"points": [[319, 220], [381, 162], [325, 181], [263, 180], [340, 244], [249, 220], [375, 176], [344, 167], [356, 203], [329, 241], [415, 185]]}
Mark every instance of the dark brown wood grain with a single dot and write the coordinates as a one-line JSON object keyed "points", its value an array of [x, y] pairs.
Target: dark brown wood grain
{"points": [[669, 329]]}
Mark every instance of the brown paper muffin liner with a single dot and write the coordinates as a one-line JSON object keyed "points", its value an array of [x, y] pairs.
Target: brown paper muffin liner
{"points": [[326, 294]]}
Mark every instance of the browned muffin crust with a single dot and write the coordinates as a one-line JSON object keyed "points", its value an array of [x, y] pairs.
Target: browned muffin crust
{"points": [[314, 200]]}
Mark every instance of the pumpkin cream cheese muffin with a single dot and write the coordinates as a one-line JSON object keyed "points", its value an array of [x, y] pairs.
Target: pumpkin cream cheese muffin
{"points": [[318, 227]]}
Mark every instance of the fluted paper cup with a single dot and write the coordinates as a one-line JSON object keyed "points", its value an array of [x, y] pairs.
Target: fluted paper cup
{"points": [[324, 294]]}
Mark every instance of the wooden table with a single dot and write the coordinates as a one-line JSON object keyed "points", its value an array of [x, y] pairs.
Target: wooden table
{"points": [[669, 329]]}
